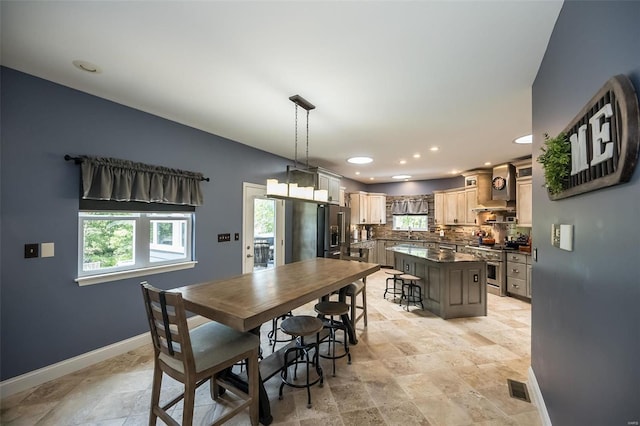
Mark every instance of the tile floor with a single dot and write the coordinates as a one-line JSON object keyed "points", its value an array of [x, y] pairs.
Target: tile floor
{"points": [[409, 368]]}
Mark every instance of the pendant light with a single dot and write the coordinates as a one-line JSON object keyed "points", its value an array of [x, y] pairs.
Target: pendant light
{"points": [[299, 179]]}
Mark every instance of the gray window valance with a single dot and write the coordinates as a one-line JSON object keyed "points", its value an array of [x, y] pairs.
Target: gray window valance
{"points": [[418, 206], [123, 180]]}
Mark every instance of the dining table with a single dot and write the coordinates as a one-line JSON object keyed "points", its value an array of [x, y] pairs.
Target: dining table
{"points": [[244, 302]]}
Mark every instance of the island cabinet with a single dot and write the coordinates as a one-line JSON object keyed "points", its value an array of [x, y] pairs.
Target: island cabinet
{"points": [[454, 285]]}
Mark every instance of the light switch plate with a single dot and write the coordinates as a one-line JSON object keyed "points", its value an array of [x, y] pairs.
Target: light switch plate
{"points": [[566, 237], [47, 250]]}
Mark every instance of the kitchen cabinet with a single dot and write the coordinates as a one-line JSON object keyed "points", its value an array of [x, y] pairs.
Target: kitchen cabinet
{"points": [[343, 199], [359, 207], [438, 199], [368, 208], [524, 201], [331, 183], [449, 289], [471, 202], [518, 274], [455, 207], [377, 209]]}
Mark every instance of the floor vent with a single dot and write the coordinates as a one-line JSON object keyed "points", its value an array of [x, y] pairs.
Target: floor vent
{"points": [[518, 390]]}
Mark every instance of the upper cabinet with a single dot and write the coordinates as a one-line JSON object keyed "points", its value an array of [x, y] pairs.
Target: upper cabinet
{"points": [[456, 206], [377, 209], [524, 196], [359, 208], [330, 182], [438, 198], [369, 209]]}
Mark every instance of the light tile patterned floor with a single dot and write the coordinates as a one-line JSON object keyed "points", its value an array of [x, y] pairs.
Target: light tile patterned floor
{"points": [[409, 368]]}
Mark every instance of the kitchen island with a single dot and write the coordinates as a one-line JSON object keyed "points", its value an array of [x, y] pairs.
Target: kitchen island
{"points": [[454, 285]]}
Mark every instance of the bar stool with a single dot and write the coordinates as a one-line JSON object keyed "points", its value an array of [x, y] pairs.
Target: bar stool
{"points": [[299, 327], [273, 334], [332, 309], [395, 274], [410, 281]]}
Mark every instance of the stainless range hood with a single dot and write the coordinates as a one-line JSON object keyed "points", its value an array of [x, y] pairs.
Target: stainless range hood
{"points": [[503, 190]]}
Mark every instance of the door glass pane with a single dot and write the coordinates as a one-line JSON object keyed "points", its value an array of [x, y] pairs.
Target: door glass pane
{"points": [[264, 213]]}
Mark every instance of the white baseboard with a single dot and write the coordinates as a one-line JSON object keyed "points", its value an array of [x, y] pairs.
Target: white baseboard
{"points": [[536, 395], [42, 375]]}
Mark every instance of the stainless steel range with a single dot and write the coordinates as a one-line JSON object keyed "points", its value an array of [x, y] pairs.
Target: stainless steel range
{"points": [[496, 267]]}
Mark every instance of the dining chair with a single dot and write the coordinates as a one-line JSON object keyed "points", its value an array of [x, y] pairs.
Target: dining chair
{"points": [[196, 356], [357, 288]]}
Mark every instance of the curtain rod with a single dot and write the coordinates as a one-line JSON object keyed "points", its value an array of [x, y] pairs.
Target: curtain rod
{"points": [[78, 160]]}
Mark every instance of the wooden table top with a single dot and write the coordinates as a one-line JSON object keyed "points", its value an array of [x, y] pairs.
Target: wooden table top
{"points": [[246, 301]]}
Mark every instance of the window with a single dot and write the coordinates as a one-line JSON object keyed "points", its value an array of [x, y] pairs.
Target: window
{"points": [[124, 241], [415, 222]]}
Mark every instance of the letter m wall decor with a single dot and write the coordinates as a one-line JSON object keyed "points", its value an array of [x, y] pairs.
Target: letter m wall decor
{"points": [[605, 139]]}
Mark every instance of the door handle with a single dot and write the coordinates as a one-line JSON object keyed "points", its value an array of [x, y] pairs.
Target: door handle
{"points": [[249, 255]]}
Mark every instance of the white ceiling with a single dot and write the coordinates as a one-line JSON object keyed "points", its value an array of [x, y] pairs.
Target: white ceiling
{"points": [[388, 78]]}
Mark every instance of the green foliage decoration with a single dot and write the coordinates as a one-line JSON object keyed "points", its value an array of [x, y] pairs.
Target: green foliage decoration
{"points": [[556, 162]]}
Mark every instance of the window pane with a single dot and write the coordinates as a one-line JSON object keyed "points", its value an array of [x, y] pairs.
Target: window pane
{"points": [[415, 222], [108, 243], [167, 240]]}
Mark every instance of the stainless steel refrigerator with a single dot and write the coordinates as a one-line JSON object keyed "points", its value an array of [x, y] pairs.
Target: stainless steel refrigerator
{"points": [[319, 230]]}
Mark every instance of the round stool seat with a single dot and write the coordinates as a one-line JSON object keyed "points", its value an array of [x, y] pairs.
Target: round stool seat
{"points": [[332, 308], [301, 325], [394, 278], [409, 277]]}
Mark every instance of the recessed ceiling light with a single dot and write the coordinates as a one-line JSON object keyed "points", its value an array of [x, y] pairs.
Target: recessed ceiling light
{"points": [[524, 139], [403, 161], [416, 155], [372, 178], [87, 66], [487, 163], [357, 173], [454, 172], [400, 177], [360, 160], [434, 148]]}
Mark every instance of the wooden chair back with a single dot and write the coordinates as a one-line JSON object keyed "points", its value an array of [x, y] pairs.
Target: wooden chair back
{"points": [[168, 325]]}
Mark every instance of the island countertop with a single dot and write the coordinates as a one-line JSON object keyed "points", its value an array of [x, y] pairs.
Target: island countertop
{"points": [[440, 256]]}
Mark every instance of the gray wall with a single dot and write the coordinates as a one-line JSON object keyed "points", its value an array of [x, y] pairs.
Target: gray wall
{"points": [[417, 187], [45, 316], [585, 312]]}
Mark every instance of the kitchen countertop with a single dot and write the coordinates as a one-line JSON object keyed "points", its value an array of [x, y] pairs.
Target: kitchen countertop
{"points": [[440, 256]]}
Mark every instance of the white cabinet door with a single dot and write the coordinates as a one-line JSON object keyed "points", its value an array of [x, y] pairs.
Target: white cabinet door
{"points": [[450, 208], [377, 209], [471, 202], [332, 185], [438, 208], [524, 202], [359, 208]]}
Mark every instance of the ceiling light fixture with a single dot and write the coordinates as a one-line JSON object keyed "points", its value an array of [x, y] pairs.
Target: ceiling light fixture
{"points": [[434, 149], [416, 155], [301, 182], [403, 161], [527, 139], [360, 160], [400, 177], [87, 66], [487, 163]]}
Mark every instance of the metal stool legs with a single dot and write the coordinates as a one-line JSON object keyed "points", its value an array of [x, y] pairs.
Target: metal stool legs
{"points": [[414, 291]]}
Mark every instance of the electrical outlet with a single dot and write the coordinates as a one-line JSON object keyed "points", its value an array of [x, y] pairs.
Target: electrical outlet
{"points": [[224, 238], [31, 250]]}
